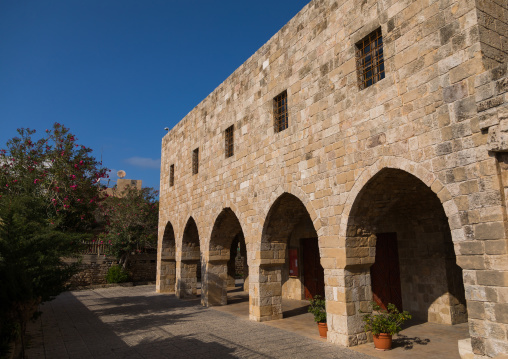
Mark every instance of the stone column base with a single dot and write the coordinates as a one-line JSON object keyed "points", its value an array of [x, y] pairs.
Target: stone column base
{"points": [[466, 351]]}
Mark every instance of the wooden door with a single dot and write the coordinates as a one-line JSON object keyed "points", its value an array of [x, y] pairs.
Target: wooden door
{"points": [[385, 272], [313, 273]]}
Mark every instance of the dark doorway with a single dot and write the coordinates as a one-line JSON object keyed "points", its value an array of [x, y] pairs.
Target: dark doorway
{"points": [[313, 273], [385, 272]]}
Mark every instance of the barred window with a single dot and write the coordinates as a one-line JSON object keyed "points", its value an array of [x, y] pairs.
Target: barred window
{"points": [[171, 175], [369, 59], [229, 141], [195, 161], [280, 111]]}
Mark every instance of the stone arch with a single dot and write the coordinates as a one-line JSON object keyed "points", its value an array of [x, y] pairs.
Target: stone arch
{"points": [[298, 193], [188, 267], [419, 172], [399, 249], [229, 205], [288, 231], [167, 279], [226, 233], [184, 221]]}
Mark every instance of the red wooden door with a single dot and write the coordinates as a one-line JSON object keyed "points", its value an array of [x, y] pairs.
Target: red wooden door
{"points": [[313, 273], [385, 272]]}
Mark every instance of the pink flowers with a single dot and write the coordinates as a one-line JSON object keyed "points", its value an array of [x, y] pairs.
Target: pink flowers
{"points": [[36, 180], [73, 176]]}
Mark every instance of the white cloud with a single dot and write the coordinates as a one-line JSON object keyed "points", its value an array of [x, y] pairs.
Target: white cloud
{"points": [[144, 162]]}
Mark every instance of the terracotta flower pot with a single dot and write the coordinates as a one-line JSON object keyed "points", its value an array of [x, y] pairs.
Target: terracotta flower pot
{"points": [[383, 341], [323, 330]]}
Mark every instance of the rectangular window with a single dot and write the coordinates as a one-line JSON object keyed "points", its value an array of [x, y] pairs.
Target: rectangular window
{"points": [[280, 112], [195, 160], [229, 142], [171, 175], [369, 59]]}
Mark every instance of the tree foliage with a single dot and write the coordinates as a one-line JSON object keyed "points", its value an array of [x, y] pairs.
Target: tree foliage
{"points": [[49, 190], [56, 169], [131, 221]]}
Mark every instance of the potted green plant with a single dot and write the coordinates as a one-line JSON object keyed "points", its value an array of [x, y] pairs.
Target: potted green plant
{"points": [[318, 308], [384, 323]]}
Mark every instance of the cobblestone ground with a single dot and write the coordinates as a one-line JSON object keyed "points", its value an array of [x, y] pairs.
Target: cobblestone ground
{"points": [[136, 322]]}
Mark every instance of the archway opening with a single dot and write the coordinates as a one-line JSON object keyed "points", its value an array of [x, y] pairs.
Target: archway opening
{"points": [[399, 248], [168, 263], [190, 265], [227, 261], [290, 259]]}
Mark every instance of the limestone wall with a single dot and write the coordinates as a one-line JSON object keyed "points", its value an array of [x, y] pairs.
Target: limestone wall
{"points": [[430, 117], [93, 269]]}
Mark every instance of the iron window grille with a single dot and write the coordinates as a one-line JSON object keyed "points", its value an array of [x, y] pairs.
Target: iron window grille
{"points": [[195, 161], [369, 59], [171, 175], [229, 142], [280, 111]]}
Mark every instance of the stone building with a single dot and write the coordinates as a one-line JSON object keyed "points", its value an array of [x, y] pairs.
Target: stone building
{"points": [[366, 141]]}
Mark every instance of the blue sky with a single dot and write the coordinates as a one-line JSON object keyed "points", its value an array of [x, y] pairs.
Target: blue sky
{"points": [[118, 71]]}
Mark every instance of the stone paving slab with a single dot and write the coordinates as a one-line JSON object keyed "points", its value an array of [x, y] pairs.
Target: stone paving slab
{"points": [[136, 322]]}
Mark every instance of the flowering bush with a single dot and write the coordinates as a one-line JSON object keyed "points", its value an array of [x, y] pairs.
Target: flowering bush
{"points": [[49, 189], [56, 169]]}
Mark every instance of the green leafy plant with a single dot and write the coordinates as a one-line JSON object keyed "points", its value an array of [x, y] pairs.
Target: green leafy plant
{"points": [[384, 321], [116, 274], [49, 190], [318, 308], [130, 220]]}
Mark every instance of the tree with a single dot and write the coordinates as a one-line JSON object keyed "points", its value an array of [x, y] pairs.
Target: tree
{"points": [[131, 222], [31, 267], [49, 190], [56, 169]]}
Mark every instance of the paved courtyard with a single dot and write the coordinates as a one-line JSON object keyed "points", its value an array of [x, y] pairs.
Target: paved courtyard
{"points": [[136, 322]]}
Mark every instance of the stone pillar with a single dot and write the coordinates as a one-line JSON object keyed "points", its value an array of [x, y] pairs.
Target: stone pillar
{"points": [[348, 289], [215, 285], [265, 292], [231, 267], [167, 276], [186, 279], [245, 274]]}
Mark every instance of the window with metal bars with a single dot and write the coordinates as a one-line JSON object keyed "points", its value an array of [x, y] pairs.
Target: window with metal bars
{"points": [[229, 142], [171, 175], [280, 111], [369, 59], [195, 161]]}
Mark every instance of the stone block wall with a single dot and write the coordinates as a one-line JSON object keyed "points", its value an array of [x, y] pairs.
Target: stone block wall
{"points": [[94, 268], [435, 123], [493, 31]]}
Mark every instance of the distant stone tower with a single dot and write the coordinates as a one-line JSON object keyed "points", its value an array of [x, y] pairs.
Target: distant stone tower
{"points": [[122, 184]]}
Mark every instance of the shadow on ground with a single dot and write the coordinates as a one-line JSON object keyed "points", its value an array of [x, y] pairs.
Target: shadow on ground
{"points": [[408, 342], [296, 311], [93, 326], [125, 314]]}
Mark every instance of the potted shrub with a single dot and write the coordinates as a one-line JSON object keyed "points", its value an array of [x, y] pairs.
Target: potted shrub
{"points": [[384, 323], [318, 308]]}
